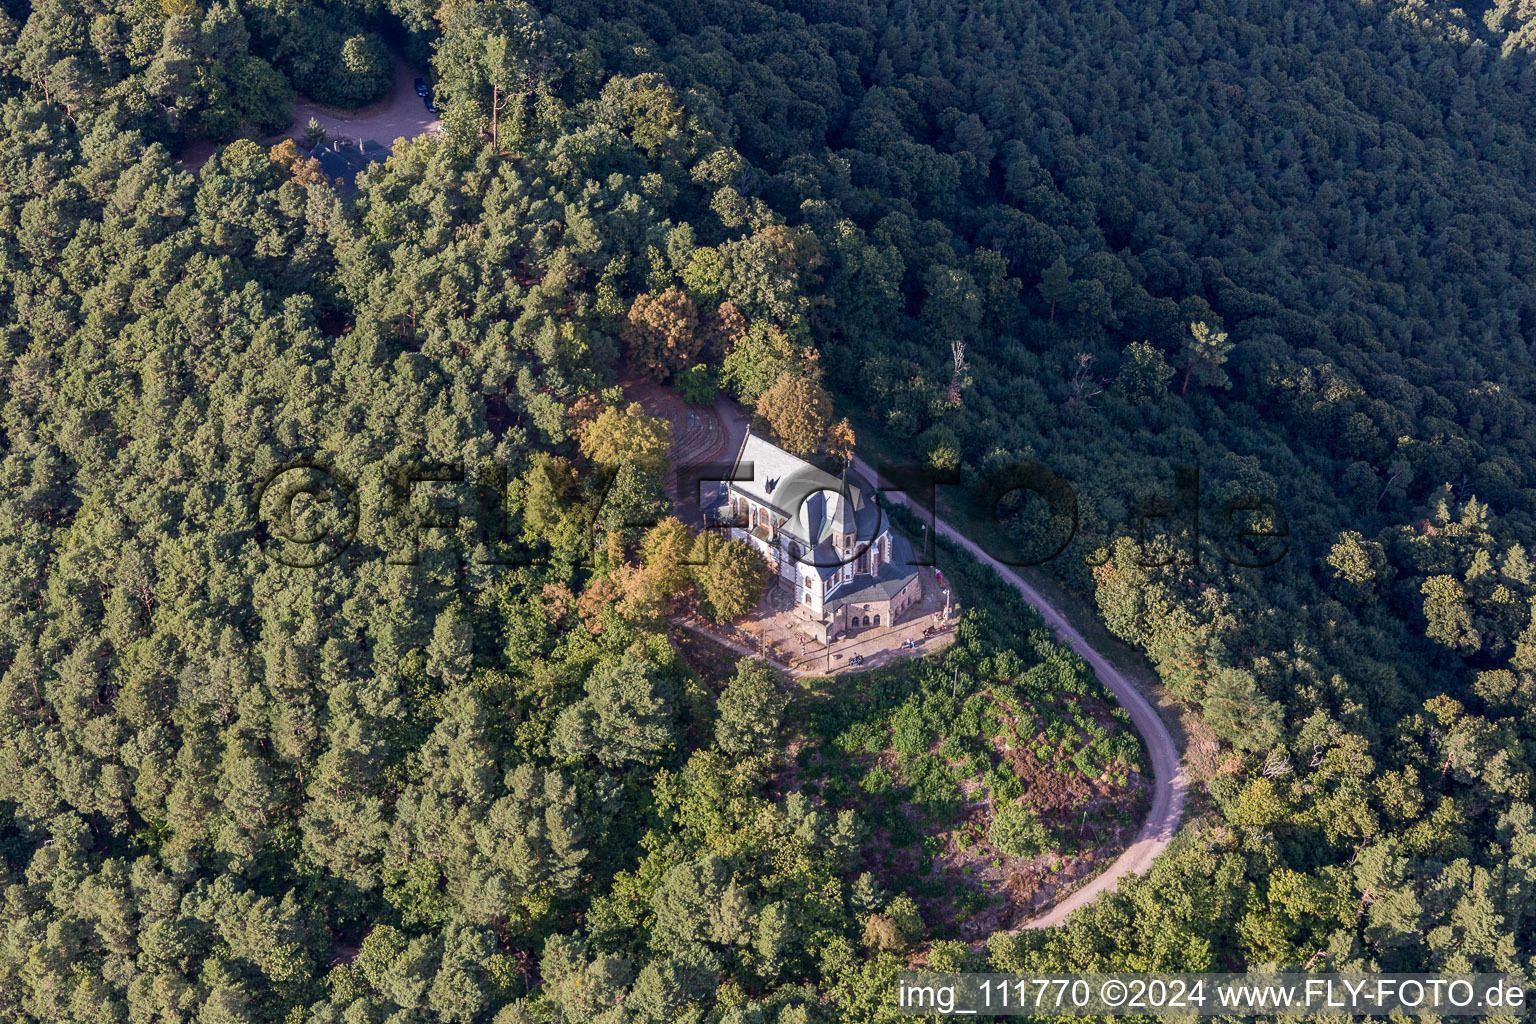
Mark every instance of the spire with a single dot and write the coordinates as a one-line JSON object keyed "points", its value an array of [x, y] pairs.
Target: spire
{"points": [[843, 519]]}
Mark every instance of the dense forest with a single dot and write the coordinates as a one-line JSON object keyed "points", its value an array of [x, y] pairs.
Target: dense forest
{"points": [[336, 569]]}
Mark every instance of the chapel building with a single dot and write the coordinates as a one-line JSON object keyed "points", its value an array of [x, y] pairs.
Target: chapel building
{"points": [[830, 546]]}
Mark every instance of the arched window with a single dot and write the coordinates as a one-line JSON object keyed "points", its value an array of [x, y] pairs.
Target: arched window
{"points": [[877, 620]]}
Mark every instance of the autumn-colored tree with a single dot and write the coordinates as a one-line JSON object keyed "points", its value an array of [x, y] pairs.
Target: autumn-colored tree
{"points": [[594, 601], [900, 925], [662, 332], [665, 552], [642, 598], [556, 601], [617, 436], [721, 331], [840, 440], [303, 169], [583, 411], [799, 411]]}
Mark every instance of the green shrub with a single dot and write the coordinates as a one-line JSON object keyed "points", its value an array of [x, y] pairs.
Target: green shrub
{"points": [[697, 385], [877, 780], [1006, 787], [911, 735], [837, 792], [953, 749], [861, 736], [949, 957], [1017, 832]]}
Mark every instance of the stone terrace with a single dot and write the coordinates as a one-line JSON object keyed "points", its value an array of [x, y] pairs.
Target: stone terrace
{"points": [[772, 624]]}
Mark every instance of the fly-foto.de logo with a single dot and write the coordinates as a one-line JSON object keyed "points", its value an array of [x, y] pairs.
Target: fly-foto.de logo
{"points": [[308, 513]]}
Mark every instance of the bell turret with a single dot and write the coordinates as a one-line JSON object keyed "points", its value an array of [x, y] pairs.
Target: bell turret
{"points": [[844, 524]]}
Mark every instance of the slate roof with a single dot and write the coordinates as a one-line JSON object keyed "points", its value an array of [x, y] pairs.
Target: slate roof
{"points": [[771, 466], [347, 158], [817, 506], [814, 502]]}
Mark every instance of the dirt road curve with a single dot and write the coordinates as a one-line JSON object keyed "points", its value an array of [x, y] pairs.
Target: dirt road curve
{"points": [[1168, 779]]}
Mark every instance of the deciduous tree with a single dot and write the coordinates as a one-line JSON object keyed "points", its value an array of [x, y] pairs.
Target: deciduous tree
{"points": [[733, 580]]}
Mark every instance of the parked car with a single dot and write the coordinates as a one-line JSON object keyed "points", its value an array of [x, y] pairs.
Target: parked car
{"points": [[421, 88]]}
